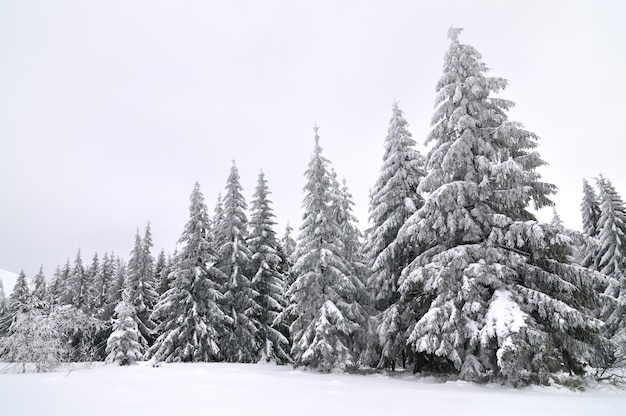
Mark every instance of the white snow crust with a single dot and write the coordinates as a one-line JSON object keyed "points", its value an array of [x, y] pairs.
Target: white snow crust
{"points": [[256, 389]]}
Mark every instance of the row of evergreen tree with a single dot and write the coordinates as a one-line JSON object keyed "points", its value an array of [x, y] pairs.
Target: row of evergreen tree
{"points": [[455, 275]]}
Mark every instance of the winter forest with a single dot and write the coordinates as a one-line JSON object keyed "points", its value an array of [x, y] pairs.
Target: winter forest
{"points": [[454, 275]]}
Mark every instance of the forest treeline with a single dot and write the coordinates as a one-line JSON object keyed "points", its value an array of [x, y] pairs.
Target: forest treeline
{"points": [[455, 275]]}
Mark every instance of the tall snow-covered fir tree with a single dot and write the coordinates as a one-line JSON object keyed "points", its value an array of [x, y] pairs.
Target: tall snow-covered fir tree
{"points": [[353, 254], [492, 290], [141, 284], [241, 343], [191, 318], [393, 200], [267, 281], [609, 257], [323, 298]]}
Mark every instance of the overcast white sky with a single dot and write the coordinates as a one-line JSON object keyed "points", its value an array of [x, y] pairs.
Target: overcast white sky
{"points": [[111, 110]]}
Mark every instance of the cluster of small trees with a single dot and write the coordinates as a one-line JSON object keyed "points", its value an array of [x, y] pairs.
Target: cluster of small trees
{"points": [[455, 275], [218, 298]]}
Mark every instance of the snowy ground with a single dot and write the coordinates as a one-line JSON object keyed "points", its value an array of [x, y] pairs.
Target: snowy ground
{"points": [[240, 389]]}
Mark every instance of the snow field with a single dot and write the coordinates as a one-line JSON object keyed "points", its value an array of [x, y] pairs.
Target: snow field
{"points": [[254, 389]]}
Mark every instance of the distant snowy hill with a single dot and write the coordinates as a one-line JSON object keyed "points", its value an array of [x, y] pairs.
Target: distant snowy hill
{"points": [[8, 281]]}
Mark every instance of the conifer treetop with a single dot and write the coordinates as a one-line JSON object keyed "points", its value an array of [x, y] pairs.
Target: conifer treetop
{"points": [[453, 33]]}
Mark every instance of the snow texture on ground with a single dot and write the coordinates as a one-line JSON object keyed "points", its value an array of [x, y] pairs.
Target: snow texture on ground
{"points": [[245, 389]]}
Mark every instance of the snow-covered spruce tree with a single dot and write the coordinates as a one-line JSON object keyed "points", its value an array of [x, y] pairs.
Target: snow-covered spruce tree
{"points": [[53, 289], [353, 254], [393, 200], [39, 287], [102, 281], [610, 257], [267, 281], [19, 298], [57, 290], [78, 285], [323, 298], [126, 344], [241, 343], [191, 321], [149, 271], [140, 284], [494, 295], [94, 277], [21, 293]]}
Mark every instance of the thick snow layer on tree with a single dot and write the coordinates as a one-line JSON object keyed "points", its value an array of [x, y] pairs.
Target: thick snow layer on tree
{"points": [[240, 389], [503, 317]]}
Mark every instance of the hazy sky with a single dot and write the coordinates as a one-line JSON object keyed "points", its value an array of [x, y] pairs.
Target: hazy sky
{"points": [[111, 110]]}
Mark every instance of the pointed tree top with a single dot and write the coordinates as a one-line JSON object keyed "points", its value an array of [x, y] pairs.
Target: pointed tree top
{"points": [[316, 129], [395, 109], [261, 180], [453, 33]]}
